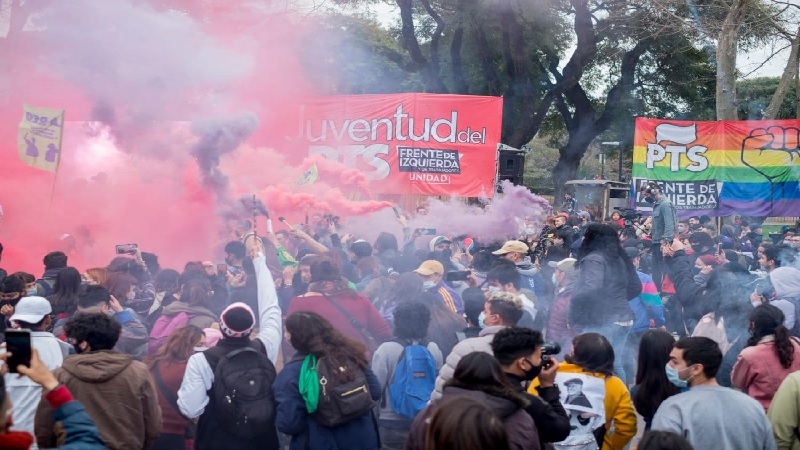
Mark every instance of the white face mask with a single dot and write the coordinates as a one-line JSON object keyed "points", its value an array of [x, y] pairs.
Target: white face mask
{"points": [[428, 284]]}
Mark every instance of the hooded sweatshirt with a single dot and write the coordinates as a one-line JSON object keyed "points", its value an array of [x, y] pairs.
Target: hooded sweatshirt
{"points": [[198, 316], [519, 425], [117, 393], [786, 282]]}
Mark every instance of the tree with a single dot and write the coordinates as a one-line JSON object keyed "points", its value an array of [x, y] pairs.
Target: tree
{"points": [[756, 94]]}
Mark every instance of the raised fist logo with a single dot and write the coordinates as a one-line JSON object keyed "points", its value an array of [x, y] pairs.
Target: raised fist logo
{"points": [[771, 153]]}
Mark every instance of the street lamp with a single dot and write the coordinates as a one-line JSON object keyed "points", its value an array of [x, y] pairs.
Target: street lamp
{"points": [[619, 155]]}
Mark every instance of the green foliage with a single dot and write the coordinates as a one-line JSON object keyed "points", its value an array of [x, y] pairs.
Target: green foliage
{"points": [[755, 94], [353, 54]]}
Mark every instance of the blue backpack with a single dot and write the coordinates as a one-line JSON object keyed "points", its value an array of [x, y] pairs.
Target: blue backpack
{"points": [[413, 381]]}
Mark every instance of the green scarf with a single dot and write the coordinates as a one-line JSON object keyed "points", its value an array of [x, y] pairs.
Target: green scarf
{"points": [[309, 383]]}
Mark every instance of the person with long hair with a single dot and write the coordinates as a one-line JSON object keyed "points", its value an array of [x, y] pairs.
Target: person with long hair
{"points": [[167, 367], [770, 356], [444, 325], [122, 286], [167, 284], [65, 292], [465, 424], [407, 285], [353, 314], [652, 386], [311, 335], [606, 282], [480, 376], [96, 275], [592, 355], [195, 301]]}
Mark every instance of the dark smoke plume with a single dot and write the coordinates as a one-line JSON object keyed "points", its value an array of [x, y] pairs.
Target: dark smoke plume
{"points": [[219, 136]]}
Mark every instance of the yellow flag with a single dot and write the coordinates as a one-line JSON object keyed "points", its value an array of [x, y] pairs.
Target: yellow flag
{"points": [[39, 138], [309, 176]]}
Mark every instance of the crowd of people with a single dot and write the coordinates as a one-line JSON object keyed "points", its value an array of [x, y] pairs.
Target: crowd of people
{"points": [[312, 338]]}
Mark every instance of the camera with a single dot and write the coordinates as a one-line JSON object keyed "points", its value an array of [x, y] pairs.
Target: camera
{"points": [[628, 215], [549, 349]]}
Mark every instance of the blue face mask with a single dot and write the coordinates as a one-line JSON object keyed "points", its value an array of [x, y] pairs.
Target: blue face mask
{"points": [[31, 292], [673, 375], [480, 320], [428, 284], [553, 279]]}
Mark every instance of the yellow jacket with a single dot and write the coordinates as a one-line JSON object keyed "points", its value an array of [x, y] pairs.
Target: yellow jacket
{"points": [[620, 415]]}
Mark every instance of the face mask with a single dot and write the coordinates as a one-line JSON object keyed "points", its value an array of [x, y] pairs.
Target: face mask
{"points": [[533, 372], [697, 248], [529, 231], [673, 375], [480, 320], [695, 270], [755, 305], [428, 284], [493, 289], [649, 200], [554, 280], [31, 292]]}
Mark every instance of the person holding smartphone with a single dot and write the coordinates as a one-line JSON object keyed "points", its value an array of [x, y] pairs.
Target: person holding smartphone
{"points": [[78, 428], [31, 313]]}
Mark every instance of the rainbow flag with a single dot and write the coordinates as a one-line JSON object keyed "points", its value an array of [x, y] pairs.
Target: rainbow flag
{"points": [[720, 168]]}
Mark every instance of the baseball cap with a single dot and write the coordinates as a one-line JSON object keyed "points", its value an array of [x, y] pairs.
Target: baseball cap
{"points": [[237, 320], [512, 247], [430, 267], [361, 248], [632, 252], [566, 265], [438, 240], [31, 309]]}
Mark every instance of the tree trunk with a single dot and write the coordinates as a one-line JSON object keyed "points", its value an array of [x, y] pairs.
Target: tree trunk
{"points": [[432, 78], [569, 158], [789, 75], [727, 47], [797, 92]]}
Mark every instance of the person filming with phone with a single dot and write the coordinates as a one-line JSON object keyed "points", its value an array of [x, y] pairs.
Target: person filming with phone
{"points": [[30, 321], [78, 429]]}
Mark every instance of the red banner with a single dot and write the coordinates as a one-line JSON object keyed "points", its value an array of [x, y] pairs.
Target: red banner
{"points": [[409, 143]]}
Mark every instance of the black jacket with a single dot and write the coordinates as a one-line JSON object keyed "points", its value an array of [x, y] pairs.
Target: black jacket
{"points": [[603, 290], [552, 421], [724, 294]]}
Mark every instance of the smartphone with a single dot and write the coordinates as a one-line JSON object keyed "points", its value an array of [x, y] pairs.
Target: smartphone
{"points": [[18, 343], [222, 269], [457, 275], [127, 249], [426, 231]]}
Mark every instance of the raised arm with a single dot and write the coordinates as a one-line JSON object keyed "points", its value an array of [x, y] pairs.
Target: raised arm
{"points": [[271, 327]]}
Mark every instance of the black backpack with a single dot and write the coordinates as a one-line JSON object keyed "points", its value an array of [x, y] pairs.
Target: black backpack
{"points": [[242, 392], [339, 402]]}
